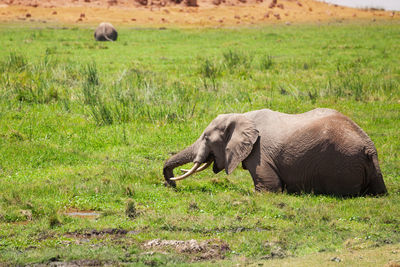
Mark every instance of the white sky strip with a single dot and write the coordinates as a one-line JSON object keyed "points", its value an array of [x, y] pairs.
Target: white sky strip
{"points": [[385, 4]]}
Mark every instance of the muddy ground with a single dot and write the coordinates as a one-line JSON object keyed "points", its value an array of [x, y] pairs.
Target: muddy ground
{"points": [[191, 250], [215, 250], [184, 13]]}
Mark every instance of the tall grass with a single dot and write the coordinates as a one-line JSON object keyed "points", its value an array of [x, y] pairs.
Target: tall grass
{"points": [[210, 72], [29, 82], [234, 59], [14, 62], [100, 110], [352, 80], [136, 94]]}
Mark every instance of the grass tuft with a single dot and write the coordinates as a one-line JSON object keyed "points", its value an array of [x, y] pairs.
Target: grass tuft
{"points": [[266, 62], [130, 210], [54, 221]]}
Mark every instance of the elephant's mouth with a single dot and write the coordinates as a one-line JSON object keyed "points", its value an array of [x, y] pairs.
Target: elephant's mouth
{"points": [[212, 159], [216, 168]]}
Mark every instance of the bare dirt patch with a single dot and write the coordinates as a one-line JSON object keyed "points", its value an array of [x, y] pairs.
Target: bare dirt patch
{"points": [[77, 263], [276, 251], [114, 235], [84, 214], [183, 13], [217, 229], [116, 232], [204, 250]]}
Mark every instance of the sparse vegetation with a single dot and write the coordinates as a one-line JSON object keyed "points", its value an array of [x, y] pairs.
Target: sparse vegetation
{"points": [[84, 128]]}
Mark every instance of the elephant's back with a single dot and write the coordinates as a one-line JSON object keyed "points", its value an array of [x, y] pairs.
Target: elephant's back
{"points": [[326, 155], [109, 29], [333, 129], [308, 130], [270, 120]]}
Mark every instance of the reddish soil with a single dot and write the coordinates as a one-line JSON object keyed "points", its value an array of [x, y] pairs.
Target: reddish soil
{"points": [[183, 13]]}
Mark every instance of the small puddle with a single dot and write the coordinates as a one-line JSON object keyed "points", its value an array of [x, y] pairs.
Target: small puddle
{"points": [[87, 214]]}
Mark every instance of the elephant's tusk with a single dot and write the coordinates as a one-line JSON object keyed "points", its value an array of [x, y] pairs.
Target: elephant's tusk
{"points": [[201, 168], [190, 172]]}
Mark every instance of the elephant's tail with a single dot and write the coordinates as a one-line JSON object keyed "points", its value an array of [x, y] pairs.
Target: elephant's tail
{"points": [[376, 185], [108, 39], [105, 35]]}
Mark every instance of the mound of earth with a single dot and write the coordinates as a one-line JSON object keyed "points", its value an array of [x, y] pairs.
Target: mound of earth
{"points": [[186, 13], [204, 250]]}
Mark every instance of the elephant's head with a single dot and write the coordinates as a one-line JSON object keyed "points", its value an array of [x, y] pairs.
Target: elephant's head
{"points": [[227, 141]]}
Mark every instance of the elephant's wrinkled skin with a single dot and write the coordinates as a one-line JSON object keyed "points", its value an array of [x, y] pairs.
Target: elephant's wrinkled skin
{"points": [[320, 151], [105, 32]]}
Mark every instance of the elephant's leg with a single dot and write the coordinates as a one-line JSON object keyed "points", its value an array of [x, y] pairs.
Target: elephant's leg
{"points": [[262, 171], [376, 184], [266, 179], [264, 176]]}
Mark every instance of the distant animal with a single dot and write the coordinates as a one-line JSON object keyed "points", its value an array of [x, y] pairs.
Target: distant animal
{"points": [[105, 32], [320, 151]]}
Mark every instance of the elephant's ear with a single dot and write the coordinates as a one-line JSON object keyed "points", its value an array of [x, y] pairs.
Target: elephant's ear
{"points": [[241, 136]]}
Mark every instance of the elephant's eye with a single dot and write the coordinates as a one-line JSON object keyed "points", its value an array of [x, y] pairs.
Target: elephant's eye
{"points": [[207, 138]]}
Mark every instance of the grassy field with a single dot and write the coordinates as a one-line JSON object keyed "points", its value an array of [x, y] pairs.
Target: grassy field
{"points": [[87, 126]]}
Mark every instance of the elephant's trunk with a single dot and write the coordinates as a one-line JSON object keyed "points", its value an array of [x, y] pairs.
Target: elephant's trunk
{"points": [[185, 156]]}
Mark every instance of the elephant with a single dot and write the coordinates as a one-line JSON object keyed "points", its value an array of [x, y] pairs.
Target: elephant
{"points": [[106, 32], [320, 152]]}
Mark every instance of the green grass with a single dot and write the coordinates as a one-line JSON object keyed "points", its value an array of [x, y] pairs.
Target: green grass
{"points": [[87, 125]]}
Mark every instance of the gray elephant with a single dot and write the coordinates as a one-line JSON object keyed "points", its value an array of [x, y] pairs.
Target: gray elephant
{"points": [[106, 32], [320, 151]]}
